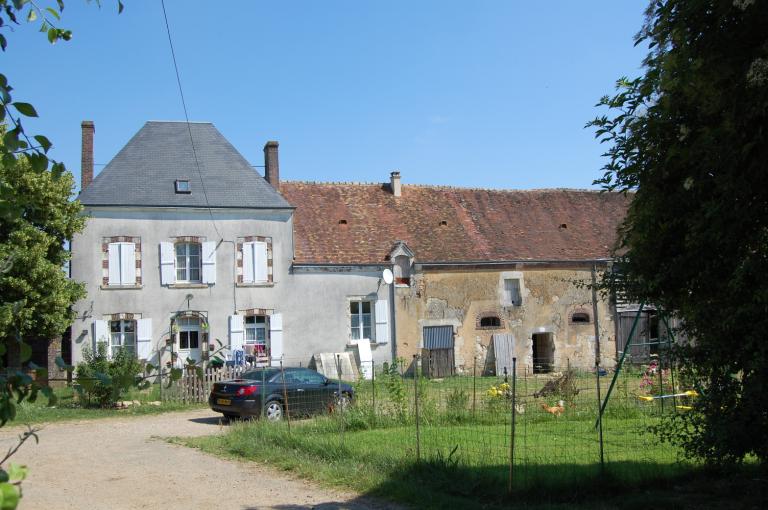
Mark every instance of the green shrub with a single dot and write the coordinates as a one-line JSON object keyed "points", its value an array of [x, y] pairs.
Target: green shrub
{"points": [[106, 380]]}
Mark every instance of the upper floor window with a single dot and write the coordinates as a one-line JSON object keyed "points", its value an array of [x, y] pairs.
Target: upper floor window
{"points": [[122, 336], [512, 292], [190, 260], [254, 260], [121, 261], [402, 270], [188, 263], [360, 320]]}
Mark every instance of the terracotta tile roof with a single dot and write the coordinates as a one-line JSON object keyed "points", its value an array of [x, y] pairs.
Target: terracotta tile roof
{"points": [[442, 224]]}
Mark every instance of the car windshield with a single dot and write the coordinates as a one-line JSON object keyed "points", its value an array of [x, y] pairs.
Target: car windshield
{"points": [[264, 374]]}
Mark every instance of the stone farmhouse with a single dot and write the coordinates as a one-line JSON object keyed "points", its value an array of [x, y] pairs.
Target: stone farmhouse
{"points": [[187, 246]]}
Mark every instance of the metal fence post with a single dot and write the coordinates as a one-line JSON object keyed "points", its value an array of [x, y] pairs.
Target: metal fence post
{"points": [[416, 404], [474, 386], [285, 397], [373, 388], [512, 428], [597, 364], [339, 403]]}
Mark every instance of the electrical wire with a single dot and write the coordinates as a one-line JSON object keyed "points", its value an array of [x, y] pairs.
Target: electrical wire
{"points": [[186, 117]]}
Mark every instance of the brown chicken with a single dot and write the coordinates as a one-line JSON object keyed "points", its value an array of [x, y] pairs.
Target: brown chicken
{"points": [[554, 410]]}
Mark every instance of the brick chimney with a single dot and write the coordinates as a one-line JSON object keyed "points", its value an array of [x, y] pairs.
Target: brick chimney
{"points": [[394, 183], [86, 162], [271, 164]]}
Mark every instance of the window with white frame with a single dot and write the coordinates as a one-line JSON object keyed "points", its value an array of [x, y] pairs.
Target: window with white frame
{"points": [[360, 320], [188, 267], [256, 333], [122, 336], [189, 333], [512, 291]]}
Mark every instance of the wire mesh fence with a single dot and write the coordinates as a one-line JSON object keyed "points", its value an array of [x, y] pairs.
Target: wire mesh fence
{"points": [[528, 426]]}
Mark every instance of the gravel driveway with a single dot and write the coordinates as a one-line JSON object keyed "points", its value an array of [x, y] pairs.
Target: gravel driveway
{"points": [[120, 463]]}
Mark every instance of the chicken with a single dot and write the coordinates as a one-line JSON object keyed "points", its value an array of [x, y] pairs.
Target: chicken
{"points": [[555, 410], [520, 408]]}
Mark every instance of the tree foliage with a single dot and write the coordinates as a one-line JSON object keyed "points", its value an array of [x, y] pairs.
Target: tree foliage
{"points": [[689, 140]]}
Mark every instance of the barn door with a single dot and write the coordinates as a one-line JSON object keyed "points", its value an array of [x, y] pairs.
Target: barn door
{"points": [[437, 354]]}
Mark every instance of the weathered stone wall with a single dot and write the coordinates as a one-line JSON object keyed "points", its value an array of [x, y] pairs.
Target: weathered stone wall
{"points": [[549, 297]]}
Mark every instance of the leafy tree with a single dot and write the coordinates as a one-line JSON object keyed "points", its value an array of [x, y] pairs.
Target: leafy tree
{"points": [[36, 294], [36, 217], [689, 138]]}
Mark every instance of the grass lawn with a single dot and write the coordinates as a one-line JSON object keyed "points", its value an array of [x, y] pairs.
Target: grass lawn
{"points": [[68, 408], [464, 446], [381, 463]]}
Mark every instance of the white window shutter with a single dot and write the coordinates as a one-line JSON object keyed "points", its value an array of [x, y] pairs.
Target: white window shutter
{"points": [[236, 332], [114, 263], [144, 338], [249, 274], [209, 262], [276, 338], [100, 333], [381, 315], [260, 262], [127, 264], [167, 264]]}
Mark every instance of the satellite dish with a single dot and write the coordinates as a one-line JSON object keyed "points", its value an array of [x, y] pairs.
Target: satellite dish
{"points": [[387, 276]]}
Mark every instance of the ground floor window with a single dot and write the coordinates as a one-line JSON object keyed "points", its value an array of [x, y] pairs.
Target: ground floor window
{"points": [[360, 320], [189, 333], [256, 333], [122, 336]]}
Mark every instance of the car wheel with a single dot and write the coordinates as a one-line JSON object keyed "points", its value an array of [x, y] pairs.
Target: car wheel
{"points": [[273, 410], [343, 402]]}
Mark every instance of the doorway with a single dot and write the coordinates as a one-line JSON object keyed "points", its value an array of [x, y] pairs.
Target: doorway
{"points": [[543, 353], [190, 332]]}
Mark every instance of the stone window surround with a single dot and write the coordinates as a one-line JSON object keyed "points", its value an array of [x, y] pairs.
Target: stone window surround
{"points": [[239, 261], [105, 242], [580, 310], [486, 314]]}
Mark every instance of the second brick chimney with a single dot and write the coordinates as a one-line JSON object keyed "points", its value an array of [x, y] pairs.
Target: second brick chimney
{"points": [[86, 161], [271, 164]]}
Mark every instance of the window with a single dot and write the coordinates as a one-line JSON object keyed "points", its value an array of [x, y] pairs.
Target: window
{"points": [[255, 265], [122, 336], [402, 270], [183, 186], [188, 262], [580, 318], [360, 320], [490, 322], [121, 263], [256, 333], [512, 292], [189, 333]]}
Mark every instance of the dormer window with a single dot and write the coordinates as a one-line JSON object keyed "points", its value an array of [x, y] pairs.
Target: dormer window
{"points": [[183, 186]]}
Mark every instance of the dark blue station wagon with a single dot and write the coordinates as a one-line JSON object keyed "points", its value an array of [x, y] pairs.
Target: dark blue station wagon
{"points": [[271, 393]]}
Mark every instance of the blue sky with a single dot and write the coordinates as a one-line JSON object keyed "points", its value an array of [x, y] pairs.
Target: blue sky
{"points": [[491, 94]]}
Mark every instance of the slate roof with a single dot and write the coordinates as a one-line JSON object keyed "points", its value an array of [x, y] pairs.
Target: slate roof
{"points": [[480, 225], [144, 171]]}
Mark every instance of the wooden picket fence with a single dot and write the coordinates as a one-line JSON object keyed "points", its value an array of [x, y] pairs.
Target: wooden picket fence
{"points": [[192, 389]]}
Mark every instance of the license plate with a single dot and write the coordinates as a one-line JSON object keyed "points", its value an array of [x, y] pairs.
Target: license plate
{"points": [[223, 401]]}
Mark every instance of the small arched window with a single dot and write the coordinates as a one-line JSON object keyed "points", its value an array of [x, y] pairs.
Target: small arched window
{"points": [[489, 321], [580, 318]]}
